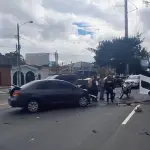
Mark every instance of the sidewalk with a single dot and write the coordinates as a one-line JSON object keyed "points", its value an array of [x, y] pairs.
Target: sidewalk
{"points": [[4, 87], [1, 92], [4, 90]]}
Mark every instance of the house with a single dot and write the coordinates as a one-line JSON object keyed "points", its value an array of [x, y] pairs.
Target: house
{"points": [[83, 69], [82, 65], [5, 75], [4, 60], [30, 73]]}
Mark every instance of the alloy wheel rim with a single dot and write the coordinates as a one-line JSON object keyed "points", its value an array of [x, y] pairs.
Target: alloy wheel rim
{"points": [[83, 101], [33, 106]]}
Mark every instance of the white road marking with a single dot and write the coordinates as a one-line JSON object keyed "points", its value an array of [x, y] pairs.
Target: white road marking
{"points": [[3, 104], [130, 115]]}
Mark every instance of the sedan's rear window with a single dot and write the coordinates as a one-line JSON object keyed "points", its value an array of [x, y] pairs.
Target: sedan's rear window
{"points": [[69, 78], [29, 85], [54, 85]]}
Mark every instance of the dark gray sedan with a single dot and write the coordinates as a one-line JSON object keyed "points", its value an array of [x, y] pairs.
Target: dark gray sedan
{"points": [[38, 93]]}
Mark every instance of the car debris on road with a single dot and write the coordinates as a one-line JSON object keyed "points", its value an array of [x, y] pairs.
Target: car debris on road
{"points": [[138, 109]]}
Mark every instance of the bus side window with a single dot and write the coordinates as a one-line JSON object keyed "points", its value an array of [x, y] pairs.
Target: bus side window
{"points": [[145, 85]]}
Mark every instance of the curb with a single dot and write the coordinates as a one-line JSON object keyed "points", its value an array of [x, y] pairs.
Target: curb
{"points": [[5, 87], [1, 93]]}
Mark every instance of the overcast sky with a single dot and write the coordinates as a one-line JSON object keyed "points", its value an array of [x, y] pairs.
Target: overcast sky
{"points": [[68, 26]]}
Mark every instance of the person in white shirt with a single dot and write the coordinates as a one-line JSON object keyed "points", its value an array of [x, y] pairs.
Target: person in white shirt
{"points": [[93, 89]]}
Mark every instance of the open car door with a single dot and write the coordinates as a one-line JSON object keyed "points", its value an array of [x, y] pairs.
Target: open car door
{"points": [[145, 82]]}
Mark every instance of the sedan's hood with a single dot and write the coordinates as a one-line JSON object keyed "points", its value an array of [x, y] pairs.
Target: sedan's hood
{"points": [[131, 80]]}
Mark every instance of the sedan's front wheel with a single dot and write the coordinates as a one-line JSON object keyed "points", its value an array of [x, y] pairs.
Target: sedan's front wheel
{"points": [[83, 101], [33, 106]]}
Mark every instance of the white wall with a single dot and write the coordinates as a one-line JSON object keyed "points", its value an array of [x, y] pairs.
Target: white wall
{"points": [[44, 72], [37, 59]]}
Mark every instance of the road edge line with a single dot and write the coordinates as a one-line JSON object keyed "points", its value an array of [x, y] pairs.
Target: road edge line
{"points": [[130, 115]]}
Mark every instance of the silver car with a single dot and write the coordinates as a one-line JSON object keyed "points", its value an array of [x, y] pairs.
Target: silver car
{"points": [[134, 80]]}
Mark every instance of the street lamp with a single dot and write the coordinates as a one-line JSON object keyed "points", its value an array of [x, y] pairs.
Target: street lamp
{"points": [[25, 23], [18, 49]]}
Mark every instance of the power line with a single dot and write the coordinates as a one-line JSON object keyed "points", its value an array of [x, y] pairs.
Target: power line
{"points": [[5, 46], [133, 5], [27, 40]]}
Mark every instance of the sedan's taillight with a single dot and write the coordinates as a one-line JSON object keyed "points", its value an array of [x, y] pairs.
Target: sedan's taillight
{"points": [[16, 93]]}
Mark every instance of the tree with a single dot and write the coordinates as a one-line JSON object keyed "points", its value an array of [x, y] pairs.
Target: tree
{"points": [[12, 56], [119, 52]]}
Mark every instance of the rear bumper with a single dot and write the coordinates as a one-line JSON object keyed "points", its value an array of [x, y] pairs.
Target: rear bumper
{"points": [[13, 102]]}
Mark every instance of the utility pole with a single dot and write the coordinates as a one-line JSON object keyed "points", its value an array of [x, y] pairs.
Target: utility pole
{"points": [[56, 61], [126, 27], [71, 65], [17, 64], [126, 12], [18, 52], [126, 17], [18, 49]]}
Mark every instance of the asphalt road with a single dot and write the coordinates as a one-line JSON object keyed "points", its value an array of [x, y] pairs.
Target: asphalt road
{"points": [[98, 127]]}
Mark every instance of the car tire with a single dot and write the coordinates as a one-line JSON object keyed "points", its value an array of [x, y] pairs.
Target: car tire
{"points": [[83, 101], [33, 106]]}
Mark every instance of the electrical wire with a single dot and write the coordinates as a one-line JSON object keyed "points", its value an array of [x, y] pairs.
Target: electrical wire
{"points": [[133, 4], [28, 40], [5, 46]]}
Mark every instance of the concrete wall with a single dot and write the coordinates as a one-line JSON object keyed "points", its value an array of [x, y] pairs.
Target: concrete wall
{"points": [[37, 59], [5, 76]]}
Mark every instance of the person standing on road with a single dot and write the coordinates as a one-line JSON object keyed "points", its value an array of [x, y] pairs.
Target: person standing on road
{"points": [[109, 86], [93, 86], [102, 87]]}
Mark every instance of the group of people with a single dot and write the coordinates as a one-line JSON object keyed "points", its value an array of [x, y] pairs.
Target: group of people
{"points": [[103, 85]]}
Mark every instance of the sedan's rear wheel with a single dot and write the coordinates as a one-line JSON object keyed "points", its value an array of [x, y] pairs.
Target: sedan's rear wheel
{"points": [[83, 101], [33, 106]]}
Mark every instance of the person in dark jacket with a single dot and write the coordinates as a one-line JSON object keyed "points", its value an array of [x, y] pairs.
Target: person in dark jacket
{"points": [[109, 87]]}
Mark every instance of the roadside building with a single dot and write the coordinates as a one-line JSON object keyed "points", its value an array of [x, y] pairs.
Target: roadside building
{"points": [[82, 69], [5, 75], [37, 59], [30, 73]]}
